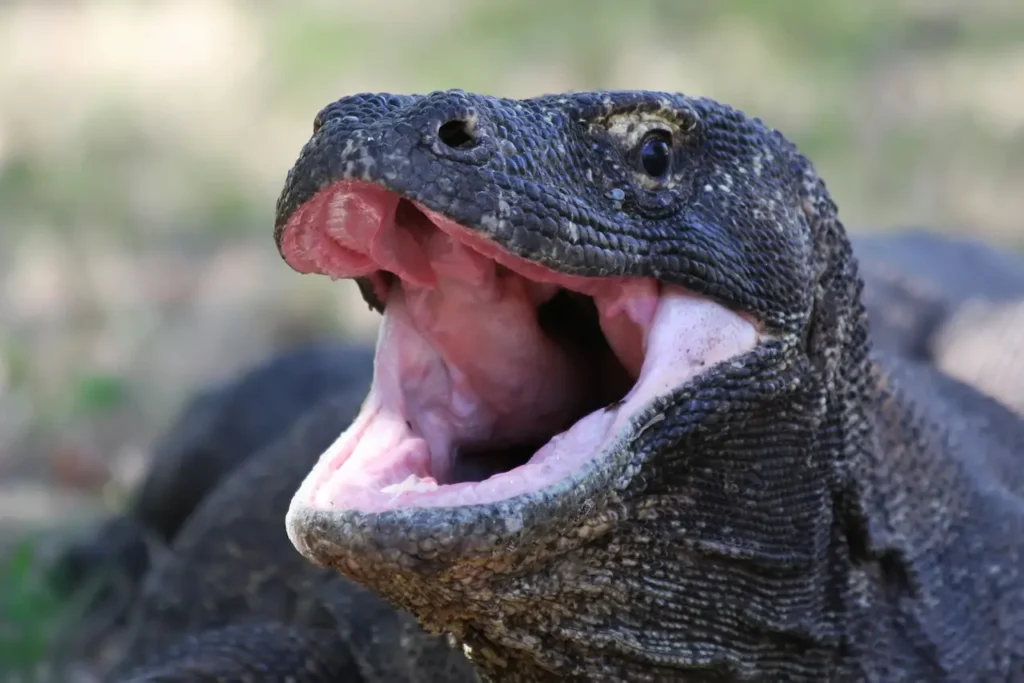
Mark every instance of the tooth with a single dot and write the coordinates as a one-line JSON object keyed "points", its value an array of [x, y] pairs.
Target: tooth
{"points": [[540, 293], [411, 484], [626, 316]]}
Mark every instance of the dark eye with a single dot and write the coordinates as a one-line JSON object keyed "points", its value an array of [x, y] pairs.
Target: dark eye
{"points": [[656, 153]]}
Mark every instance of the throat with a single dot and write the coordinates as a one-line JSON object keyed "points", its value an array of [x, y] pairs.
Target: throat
{"points": [[478, 464], [572, 321]]}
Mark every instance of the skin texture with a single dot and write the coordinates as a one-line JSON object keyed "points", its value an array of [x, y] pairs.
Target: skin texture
{"points": [[232, 601], [953, 302], [810, 512]]}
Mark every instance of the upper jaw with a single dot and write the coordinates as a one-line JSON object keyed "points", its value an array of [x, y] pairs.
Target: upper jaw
{"points": [[481, 188], [489, 204]]}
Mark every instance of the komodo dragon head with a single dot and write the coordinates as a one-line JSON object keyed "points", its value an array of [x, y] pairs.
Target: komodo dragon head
{"points": [[617, 381]]}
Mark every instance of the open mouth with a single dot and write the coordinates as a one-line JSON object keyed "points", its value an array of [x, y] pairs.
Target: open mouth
{"points": [[494, 376]]}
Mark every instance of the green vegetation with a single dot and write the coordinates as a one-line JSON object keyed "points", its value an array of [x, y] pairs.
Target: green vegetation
{"points": [[29, 613]]}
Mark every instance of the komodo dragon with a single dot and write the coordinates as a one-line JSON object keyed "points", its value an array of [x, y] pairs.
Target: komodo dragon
{"points": [[765, 503], [737, 490]]}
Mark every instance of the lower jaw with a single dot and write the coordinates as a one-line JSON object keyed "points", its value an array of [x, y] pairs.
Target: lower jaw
{"points": [[442, 566], [548, 470], [504, 577], [368, 544]]}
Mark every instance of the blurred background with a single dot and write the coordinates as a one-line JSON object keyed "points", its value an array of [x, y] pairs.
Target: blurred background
{"points": [[143, 144]]}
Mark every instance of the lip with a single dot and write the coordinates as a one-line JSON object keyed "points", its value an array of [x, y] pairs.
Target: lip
{"points": [[431, 538]]}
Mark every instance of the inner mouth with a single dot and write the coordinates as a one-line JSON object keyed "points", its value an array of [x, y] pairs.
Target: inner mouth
{"points": [[571, 321], [494, 376]]}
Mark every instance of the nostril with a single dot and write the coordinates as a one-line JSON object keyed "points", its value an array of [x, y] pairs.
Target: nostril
{"points": [[457, 134]]}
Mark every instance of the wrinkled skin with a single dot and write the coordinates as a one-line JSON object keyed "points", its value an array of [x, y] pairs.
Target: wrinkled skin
{"points": [[804, 512]]}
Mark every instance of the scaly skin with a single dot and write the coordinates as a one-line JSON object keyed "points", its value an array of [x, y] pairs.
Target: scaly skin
{"points": [[925, 301], [228, 427], [808, 512]]}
